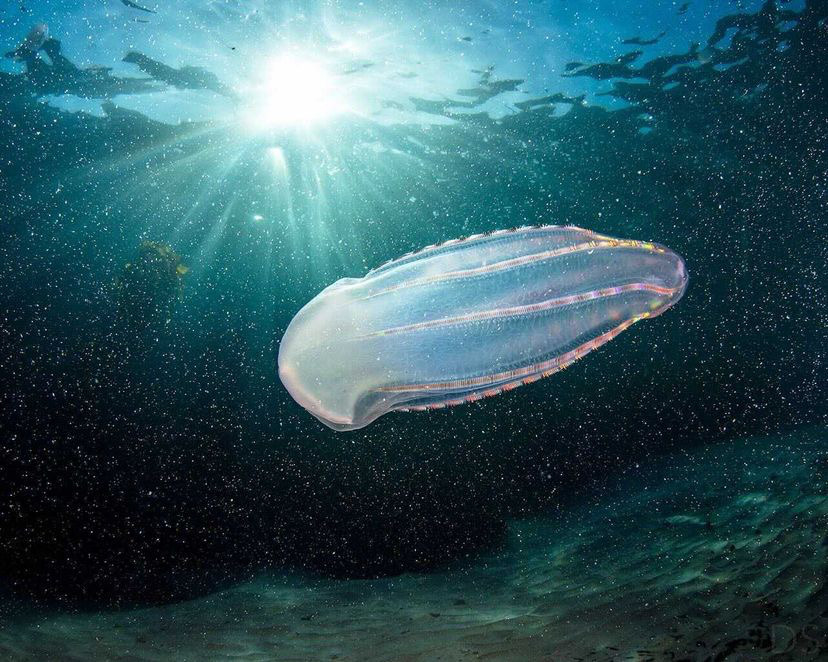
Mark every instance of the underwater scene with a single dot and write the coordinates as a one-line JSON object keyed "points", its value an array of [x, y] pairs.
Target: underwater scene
{"points": [[378, 331]]}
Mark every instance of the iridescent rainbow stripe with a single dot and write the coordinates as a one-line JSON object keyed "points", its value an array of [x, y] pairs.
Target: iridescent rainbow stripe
{"points": [[517, 311], [604, 242], [513, 378]]}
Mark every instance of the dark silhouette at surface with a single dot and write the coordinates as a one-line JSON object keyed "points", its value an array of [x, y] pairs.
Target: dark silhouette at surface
{"points": [[638, 41], [550, 100], [135, 5], [192, 78], [49, 72], [32, 43], [486, 89], [56, 74]]}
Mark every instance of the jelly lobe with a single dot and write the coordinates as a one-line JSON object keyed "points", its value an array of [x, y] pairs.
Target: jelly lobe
{"points": [[470, 318]]}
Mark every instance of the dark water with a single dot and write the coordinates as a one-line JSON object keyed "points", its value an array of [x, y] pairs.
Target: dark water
{"points": [[723, 564], [149, 454]]}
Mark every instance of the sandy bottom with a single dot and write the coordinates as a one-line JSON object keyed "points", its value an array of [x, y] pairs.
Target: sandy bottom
{"points": [[720, 554]]}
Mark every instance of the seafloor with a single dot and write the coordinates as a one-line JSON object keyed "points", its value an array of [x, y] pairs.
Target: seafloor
{"points": [[716, 554]]}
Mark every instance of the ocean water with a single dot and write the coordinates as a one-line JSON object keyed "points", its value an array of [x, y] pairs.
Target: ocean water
{"points": [[176, 182], [667, 562]]}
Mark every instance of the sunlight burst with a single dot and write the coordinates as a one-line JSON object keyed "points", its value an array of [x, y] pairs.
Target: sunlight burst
{"points": [[293, 91]]}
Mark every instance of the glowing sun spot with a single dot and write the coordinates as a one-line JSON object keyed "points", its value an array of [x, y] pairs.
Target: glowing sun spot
{"points": [[292, 91]]}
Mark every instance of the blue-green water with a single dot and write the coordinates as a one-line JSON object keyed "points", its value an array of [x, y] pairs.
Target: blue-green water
{"points": [[162, 221]]}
